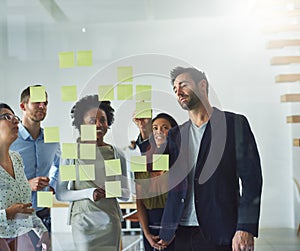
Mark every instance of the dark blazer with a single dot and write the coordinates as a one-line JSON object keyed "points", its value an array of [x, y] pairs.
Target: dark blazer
{"points": [[228, 153]]}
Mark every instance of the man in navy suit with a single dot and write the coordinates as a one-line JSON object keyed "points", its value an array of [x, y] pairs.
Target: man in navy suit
{"points": [[215, 176]]}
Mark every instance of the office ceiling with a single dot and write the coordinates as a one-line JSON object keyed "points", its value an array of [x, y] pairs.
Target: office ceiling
{"points": [[109, 11]]}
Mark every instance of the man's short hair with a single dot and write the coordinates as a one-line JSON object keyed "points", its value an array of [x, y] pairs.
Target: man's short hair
{"points": [[194, 73], [25, 95]]}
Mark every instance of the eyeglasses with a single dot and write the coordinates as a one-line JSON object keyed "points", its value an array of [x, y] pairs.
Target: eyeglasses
{"points": [[9, 117]]}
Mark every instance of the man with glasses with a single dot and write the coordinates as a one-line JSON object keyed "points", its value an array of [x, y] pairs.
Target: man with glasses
{"points": [[215, 174], [41, 160]]}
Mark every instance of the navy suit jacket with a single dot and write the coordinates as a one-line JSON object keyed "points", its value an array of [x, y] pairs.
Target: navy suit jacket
{"points": [[228, 157]]}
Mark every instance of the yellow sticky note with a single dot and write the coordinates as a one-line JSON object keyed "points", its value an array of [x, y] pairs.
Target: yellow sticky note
{"points": [[66, 59], [87, 151], [138, 164], [143, 92], [125, 74], [44, 199], [69, 93], [67, 172], [106, 92], [86, 172], [88, 132], [84, 58], [143, 110], [113, 189], [112, 167], [51, 134], [124, 92], [37, 94], [160, 162], [69, 151]]}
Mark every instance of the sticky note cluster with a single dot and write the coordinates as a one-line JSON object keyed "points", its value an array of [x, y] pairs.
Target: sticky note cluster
{"points": [[160, 162], [67, 59]]}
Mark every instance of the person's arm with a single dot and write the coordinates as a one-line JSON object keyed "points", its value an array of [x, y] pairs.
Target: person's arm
{"points": [[249, 172], [123, 178], [54, 170], [63, 193]]}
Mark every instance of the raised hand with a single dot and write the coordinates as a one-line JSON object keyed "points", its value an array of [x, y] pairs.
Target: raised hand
{"points": [[39, 183], [98, 194]]}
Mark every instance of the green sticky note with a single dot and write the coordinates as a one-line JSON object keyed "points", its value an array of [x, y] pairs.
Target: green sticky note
{"points": [[112, 167], [88, 132], [143, 92], [138, 164], [44, 199], [69, 151], [125, 74], [84, 58], [113, 189], [37, 94], [86, 172], [106, 92], [66, 59], [87, 151], [160, 162], [51, 134], [67, 172], [143, 110], [69, 93], [124, 92]]}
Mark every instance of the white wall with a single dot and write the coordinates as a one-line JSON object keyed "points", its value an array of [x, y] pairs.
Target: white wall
{"points": [[231, 51]]}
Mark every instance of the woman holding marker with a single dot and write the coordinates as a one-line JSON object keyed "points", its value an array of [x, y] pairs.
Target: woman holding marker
{"points": [[151, 192], [17, 217], [95, 218]]}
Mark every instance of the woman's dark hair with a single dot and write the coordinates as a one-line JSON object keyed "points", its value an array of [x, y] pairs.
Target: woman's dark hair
{"points": [[87, 103], [173, 123], [6, 106], [167, 117]]}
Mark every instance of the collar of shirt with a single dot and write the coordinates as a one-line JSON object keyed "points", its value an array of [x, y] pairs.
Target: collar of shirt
{"points": [[25, 135]]}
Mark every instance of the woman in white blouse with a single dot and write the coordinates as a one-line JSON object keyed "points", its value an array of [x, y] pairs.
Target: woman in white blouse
{"points": [[17, 217], [95, 218]]}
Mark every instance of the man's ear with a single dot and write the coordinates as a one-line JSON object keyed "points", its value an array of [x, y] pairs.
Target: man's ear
{"points": [[203, 86], [22, 106]]}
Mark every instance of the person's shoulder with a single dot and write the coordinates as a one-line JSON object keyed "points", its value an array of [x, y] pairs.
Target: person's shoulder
{"points": [[231, 114], [15, 155]]}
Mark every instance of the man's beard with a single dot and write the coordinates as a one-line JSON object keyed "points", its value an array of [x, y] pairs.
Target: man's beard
{"points": [[191, 103]]}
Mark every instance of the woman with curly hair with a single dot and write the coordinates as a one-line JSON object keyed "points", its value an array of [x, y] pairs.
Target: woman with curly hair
{"points": [[95, 219]]}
